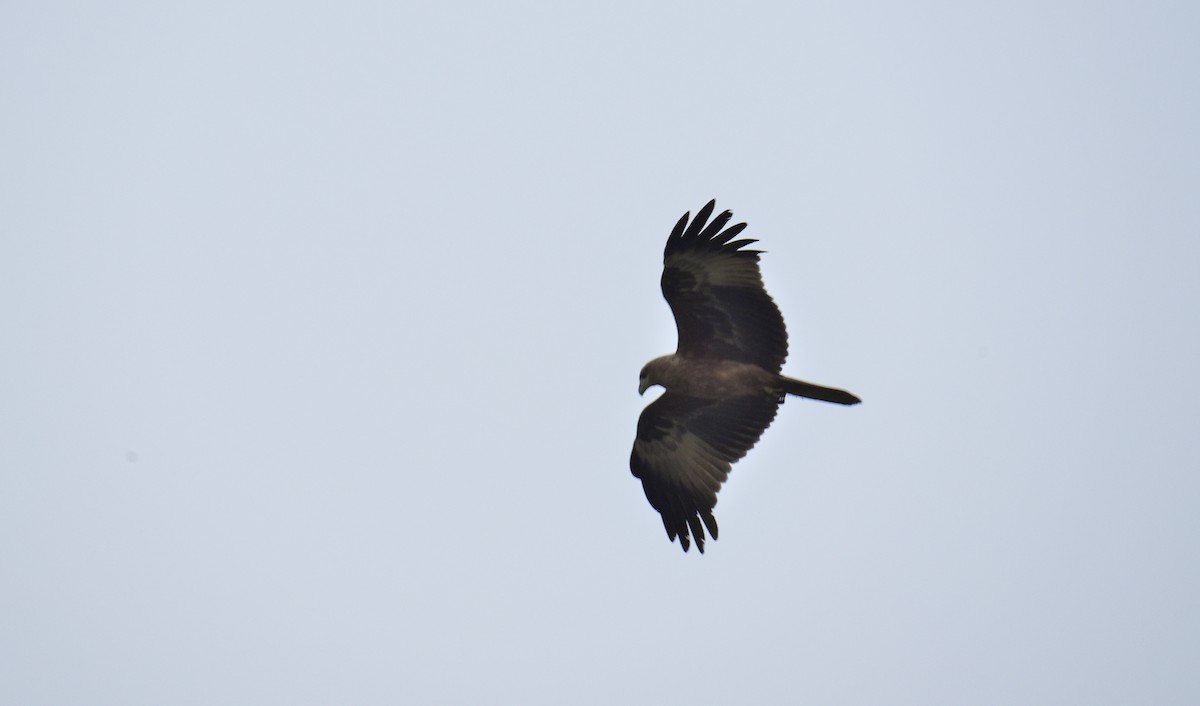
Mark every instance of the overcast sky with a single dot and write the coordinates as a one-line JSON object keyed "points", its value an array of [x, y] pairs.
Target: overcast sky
{"points": [[322, 327]]}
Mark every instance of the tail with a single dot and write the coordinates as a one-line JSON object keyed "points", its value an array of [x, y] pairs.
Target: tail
{"points": [[816, 392]]}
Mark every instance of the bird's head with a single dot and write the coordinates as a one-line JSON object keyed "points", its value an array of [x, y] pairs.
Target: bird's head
{"points": [[644, 380], [652, 374]]}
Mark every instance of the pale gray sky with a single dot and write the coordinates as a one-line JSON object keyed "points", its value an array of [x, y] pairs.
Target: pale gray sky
{"points": [[323, 323]]}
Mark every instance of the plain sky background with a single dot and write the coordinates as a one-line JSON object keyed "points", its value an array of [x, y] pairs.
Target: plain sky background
{"points": [[322, 326]]}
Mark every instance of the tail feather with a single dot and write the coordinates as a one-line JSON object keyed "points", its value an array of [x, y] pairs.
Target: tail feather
{"points": [[816, 392]]}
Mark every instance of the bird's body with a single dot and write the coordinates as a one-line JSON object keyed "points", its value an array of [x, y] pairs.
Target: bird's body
{"points": [[709, 378], [723, 385]]}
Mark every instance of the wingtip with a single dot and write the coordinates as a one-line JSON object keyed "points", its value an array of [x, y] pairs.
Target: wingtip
{"points": [[677, 231]]}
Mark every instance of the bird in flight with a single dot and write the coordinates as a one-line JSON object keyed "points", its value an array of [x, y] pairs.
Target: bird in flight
{"points": [[723, 383]]}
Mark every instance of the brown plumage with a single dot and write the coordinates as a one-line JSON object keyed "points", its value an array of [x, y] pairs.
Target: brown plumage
{"points": [[723, 385]]}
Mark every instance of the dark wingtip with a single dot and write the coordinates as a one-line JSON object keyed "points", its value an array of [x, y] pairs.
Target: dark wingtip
{"points": [[679, 226], [700, 233], [700, 220]]}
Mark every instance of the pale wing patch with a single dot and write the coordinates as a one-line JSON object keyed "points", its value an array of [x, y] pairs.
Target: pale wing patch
{"points": [[685, 460], [718, 269]]}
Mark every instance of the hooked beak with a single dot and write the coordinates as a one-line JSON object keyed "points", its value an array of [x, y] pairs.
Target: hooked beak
{"points": [[642, 387]]}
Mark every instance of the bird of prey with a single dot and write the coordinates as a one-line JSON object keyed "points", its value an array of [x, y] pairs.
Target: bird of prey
{"points": [[723, 383]]}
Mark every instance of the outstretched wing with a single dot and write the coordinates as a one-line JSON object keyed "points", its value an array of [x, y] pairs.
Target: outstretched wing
{"points": [[684, 449], [716, 292]]}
